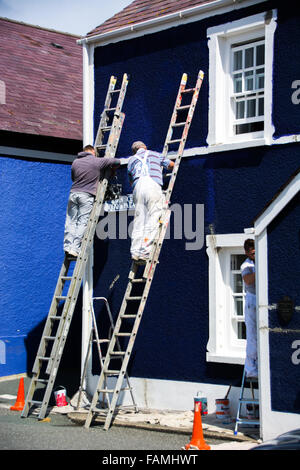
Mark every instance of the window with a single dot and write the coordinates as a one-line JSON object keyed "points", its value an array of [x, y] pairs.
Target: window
{"points": [[240, 73], [248, 80], [227, 331]]}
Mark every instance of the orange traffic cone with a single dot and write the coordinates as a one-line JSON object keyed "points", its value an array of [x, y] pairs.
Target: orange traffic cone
{"points": [[20, 401], [197, 441]]}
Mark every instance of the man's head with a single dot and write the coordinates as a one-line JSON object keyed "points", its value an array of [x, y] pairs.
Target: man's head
{"points": [[249, 247], [89, 149], [137, 145]]}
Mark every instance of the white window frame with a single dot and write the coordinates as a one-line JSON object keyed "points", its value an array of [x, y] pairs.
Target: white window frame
{"points": [[223, 346], [220, 41]]}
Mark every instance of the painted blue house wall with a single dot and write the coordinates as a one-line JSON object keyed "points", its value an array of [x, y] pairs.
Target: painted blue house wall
{"points": [[284, 275], [234, 186], [32, 223]]}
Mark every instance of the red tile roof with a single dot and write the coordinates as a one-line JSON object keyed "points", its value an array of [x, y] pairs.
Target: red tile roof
{"points": [[40, 81], [143, 10]]}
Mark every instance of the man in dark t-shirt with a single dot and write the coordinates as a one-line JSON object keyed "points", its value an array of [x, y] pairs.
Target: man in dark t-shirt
{"points": [[86, 171]]}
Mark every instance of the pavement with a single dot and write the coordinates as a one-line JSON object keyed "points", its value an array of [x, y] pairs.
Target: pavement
{"points": [[214, 428]]}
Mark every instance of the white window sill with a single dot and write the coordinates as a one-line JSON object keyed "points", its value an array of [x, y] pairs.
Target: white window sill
{"points": [[227, 359]]}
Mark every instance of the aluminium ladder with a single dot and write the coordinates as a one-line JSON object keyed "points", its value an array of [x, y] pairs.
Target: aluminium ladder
{"points": [[70, 277], [128, 322], [252, 403]]}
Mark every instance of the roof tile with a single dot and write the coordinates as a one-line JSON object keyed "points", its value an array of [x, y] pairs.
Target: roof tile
{"points": [[43, 82]]}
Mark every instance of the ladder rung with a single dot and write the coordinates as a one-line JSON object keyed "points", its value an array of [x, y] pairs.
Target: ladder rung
{"points": [[123, 334], [139, 280], [49, 338], [44, 381], [115, 91], [175, 141], [189, 90], [249, 400], [105, 128], [109, 109], [112, 372], [128, 316], [35, 402], [101, 146], [137, 297], [42, 358], [66, 278], [178, 124], [54, 317], [118, 353], [61, 297], [111, 390]]}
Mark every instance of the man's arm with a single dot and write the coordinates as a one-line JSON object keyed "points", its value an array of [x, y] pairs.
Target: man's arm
{"points": [[249, 279]]}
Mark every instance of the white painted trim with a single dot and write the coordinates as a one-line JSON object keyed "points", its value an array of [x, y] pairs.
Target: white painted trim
{"points": [[219, 347], [276, 206], [221, 38], [157, 394], [36, 154], [88, 138], [197, 13]]}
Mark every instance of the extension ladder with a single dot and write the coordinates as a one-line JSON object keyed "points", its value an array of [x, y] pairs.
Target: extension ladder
{"points": [[250, 403], [95, 338], [124, 330], [72, 271]]}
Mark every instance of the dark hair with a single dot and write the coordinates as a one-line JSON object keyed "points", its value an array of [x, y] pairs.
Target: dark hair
{"points": [[87, 148], [249, 244]]}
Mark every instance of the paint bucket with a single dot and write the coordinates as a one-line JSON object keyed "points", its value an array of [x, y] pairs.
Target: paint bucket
{"points": [[203, 401], [222, 408], [60, 396]]}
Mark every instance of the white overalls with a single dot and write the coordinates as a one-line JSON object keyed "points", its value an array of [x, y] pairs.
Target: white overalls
{"points": [[148, 200], [250, 319]]}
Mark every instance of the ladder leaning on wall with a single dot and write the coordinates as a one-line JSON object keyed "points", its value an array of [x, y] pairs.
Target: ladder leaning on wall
{"points": [[128, 321], [72, 270]]}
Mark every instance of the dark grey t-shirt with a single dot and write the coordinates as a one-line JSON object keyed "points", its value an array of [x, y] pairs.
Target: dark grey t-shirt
{"points": [[86, 172]]}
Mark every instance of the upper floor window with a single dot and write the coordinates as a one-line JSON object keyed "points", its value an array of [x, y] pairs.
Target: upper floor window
{"points": [[240, 80], [248, 84]]}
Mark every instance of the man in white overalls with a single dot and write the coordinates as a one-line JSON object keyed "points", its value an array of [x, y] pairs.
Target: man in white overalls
{"points": [[248, 275], [145, 176]]}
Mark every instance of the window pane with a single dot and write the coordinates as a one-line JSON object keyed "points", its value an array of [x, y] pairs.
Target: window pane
{"points": [[237, 60], [237, 83], [249, 55], [260, 78], [251, 105], [237, 283], [240, 109], [236, 261], [239, 307], [261, 107], [249, 81], [260, 54], [241, 330]]}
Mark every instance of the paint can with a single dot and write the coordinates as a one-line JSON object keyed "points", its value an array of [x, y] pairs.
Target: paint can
{"points": [[222, 408], [203, 401], [60, 396]]}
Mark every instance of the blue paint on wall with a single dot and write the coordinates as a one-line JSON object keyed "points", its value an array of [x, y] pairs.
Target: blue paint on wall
{"points": [[284, 275], [32, 223]]}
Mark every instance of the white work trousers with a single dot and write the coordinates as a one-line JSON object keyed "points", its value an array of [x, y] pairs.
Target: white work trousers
{"points": [[148, 200], [78, 213], [251, 333]]}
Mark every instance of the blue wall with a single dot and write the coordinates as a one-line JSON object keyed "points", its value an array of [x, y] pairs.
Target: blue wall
{"points": [[32, 223], [234, 186]]}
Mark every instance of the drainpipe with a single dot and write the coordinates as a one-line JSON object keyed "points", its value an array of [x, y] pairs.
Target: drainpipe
{"points": [[87, 286]]}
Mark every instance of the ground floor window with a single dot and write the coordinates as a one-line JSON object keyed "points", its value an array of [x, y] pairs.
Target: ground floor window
{"points": [[227, 331]]}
